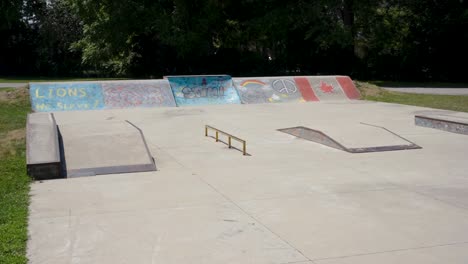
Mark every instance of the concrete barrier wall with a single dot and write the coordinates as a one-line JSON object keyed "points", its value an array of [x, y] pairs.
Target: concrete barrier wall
{"points": [[295, 89], [132, 94], [273, 90], [188, 90], [203, 90], [75, 96], [49, 97]]}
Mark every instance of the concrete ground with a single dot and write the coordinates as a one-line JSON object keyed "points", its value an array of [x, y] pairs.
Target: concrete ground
{"points": [[13, 85], [431, 90], [290, 201]]}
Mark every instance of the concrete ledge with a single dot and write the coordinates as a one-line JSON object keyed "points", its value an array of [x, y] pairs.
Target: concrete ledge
{"points": [[446, 123], [42, 147]]}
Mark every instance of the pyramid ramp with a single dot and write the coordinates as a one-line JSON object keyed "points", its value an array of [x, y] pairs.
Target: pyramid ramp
{"points": [[353, 138]]}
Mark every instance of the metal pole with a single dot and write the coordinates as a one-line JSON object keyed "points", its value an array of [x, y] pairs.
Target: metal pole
{"points": [[229, 141], [244, 149], [206, 131], [217, 136]]}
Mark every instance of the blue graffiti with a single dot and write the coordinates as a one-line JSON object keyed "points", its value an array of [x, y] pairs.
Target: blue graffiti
{"points": [[203, 90], [47, 97]]}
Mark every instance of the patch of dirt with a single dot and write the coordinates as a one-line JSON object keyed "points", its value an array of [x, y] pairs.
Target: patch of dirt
{"points": [[9, 142], [14, 94], [367, 89]]}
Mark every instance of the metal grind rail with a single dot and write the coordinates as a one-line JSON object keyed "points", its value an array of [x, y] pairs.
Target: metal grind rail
{"points": [[230, 137]]}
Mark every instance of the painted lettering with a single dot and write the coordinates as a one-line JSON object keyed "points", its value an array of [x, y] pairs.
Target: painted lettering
{"points": [[38, 95], [82, 92], [61, 92], [204, 92], [42, 107], [72, 92]]}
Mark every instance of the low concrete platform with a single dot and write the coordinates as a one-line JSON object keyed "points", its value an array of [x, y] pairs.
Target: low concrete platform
{"points": [[455, 123], [97, 148], [291, 201], [43, 159]]}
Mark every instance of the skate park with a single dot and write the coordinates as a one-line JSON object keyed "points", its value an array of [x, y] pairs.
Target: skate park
{"points": [[291, 170]]}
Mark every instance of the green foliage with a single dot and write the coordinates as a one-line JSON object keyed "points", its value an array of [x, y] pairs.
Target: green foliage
{"points": [[391, 39]]}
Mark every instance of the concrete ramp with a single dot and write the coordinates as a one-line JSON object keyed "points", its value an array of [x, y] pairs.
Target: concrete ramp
{"points": [[333, 88], [131, 94], [188, 90], [69, 96], [295, 89], [203, 90], [77, 96], [273, 90], [104, 148], [353, 138]]}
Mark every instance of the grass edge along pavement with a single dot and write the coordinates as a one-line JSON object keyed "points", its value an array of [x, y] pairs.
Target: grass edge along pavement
{"points": [[14, 182], [49, 79], [372, 92]]}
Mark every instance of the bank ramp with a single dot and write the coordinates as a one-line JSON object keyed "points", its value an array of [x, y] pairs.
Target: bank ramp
{"points": [[295, 89], [203, 90], [190, 90], [353, 138], [84, 149], [78, 96]]}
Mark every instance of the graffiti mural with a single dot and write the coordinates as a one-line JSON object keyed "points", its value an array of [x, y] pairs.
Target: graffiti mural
{"points": [[132, 94], [188, 90], [327, 88], [203, 90], [47, 97], [268, 90]]}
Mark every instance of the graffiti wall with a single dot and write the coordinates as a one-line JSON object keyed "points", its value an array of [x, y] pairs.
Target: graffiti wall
{"points": [[203, 90], [327, 88], [295, 89], [132, 94], [47, 97], [188, 90], [270, 90], [75, 96]]}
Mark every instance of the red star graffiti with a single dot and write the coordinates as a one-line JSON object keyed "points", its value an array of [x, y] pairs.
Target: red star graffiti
{"points": [[326, 88]]}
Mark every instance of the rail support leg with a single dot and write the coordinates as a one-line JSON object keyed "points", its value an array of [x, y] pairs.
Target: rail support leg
{"points": [[244, 149], [217, 136], [229, 142]]}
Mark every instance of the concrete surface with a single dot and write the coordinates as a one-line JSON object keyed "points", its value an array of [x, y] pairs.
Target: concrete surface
{"points": [[104, 148], [42, 147], [431, 90], [13, 85], [291, 201], [43, 143]]}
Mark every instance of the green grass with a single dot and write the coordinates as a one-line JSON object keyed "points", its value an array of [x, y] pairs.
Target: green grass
{"points": [[49, 79], [14, 182], [448, 102], [419, 84]]}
